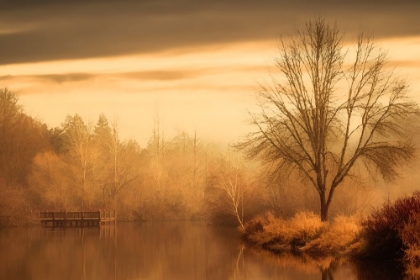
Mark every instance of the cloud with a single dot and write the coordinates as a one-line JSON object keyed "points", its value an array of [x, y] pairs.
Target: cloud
{"points": [[160, 75], [404, 64], [72, 77], [79, 77], [54, 78], [53, 30]]}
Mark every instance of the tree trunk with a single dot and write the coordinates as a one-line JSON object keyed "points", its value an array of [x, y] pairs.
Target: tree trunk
{"points": [[324, 208]]}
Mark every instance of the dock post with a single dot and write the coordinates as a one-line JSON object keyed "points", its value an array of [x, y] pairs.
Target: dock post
{"points": [[65, 218]]}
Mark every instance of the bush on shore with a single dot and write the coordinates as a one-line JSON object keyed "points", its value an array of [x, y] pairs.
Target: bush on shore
{"points": [[410, 235], [304, 233], [341, 236], [390, 232]]}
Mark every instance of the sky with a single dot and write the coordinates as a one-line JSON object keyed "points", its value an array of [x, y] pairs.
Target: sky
{"points": [[195, 64]]}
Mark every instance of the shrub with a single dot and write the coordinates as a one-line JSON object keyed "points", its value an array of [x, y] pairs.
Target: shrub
{"points": [[277, 234], [410, 236], [304, 233], [382, 230], [337, 238], [254, 231]]}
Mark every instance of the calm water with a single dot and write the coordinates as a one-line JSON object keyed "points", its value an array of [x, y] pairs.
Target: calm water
{"points": [[167, 250]]}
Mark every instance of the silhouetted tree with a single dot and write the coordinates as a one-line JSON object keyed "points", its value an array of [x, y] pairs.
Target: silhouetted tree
{"points": [[330, 111], [55, 136], [102, 131]]}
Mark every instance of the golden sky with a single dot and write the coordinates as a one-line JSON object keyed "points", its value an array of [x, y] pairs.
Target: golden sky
{"points": [[197, 63]]}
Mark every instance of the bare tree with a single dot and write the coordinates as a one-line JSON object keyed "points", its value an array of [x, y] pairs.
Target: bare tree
{"points": [[124, 163], [232, 183], [228, 187], [330, 111], [157, 145], [117, 161], [78, 141]]}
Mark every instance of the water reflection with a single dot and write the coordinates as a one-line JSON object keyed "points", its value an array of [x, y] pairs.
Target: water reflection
{"points": [[296, 267], [167, 250], [380, 270], [329, 268]]}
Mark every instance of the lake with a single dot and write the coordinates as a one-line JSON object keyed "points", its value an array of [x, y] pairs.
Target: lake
{"points": [[161, 250]]}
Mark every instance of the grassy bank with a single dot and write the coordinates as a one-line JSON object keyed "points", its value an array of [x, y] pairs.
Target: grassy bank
{"points": [[389, 233], [304, 233]]}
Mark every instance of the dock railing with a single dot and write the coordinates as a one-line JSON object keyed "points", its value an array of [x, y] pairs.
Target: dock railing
{"points": [[77, 219]]}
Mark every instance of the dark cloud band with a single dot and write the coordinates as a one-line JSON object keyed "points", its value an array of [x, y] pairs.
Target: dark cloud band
{"points": [[51, 30]]}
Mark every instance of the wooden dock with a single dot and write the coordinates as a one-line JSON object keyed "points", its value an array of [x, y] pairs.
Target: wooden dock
{"points": [[77, 219]]}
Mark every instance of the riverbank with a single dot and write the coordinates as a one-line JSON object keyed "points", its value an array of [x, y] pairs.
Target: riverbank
{"points": [[391, 233], [304, 233]]}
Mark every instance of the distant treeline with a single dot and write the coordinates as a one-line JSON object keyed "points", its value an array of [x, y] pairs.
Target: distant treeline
{"points": [[86, 166]]}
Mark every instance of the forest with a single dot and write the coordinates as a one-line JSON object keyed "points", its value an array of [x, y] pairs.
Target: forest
{"points": [[81, 165], [86, 166]]}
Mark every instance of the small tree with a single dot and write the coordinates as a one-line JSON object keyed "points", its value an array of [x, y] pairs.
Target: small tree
{"points": [[232, 183], [116, 162], [228, 189], [331, 111], [78, 142]]}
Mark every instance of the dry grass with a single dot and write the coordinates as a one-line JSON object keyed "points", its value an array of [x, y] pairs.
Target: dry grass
{"points": [[390, 233], [304, 233], [296, 232], [277, 234], [340, 237]]}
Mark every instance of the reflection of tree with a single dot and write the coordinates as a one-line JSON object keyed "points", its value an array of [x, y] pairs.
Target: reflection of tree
{"points": [[174, 250], [294, 266], [378, 270], [239, 267], [326, 268], [327, 274], [83, 255], [115, 252]]}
